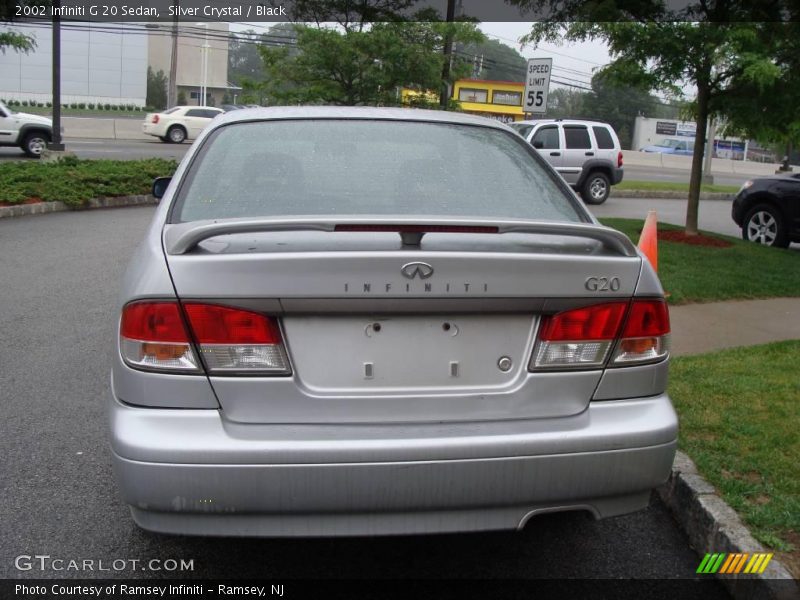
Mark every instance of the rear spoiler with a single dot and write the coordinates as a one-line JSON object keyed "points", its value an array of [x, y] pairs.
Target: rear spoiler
{"points": [[180, 238]]}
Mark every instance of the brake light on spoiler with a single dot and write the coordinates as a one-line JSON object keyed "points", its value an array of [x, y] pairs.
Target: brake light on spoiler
{"points": [[612, 334], [165, 336]]}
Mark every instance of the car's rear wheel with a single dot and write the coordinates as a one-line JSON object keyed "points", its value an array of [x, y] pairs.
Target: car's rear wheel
{"points": [[765, 224], [176, 134], [596, 188], [35, 143]]}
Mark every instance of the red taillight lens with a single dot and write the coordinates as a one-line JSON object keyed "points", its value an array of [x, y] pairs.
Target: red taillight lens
{"points": [[153, 322], [598, 322], [619, 160], [645, 337], [154, 119], [235, 340], [647, 318], [154, 337], [584, 337], [212, 324]]}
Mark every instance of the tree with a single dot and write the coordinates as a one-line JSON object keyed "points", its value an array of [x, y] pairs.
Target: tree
{"points": [[362, 65], [13, 39], [712, 52], [244, 58], [767, 111], [619, 105], [156, 89], [500, 62], [567, 103]]}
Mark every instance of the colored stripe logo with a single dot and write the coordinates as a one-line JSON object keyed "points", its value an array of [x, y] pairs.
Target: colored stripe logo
{"points": [[730, 564]]}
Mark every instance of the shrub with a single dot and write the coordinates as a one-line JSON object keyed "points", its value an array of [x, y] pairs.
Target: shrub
{"points": [[81, 105], [48, 104], [74, 181], [24, 103], [91, 105], [107, 107]]}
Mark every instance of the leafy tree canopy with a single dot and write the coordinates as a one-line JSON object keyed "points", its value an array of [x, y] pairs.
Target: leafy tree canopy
{"points": [[712, 54], [362, 66], [500, 62]]}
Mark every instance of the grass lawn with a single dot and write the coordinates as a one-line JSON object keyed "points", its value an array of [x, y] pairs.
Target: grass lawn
{"points": [[672, 186], [740, 423], [705, 274], [73, 181]]}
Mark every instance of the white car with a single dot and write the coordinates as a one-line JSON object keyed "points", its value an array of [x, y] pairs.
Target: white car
{"points": [[179, 123]]}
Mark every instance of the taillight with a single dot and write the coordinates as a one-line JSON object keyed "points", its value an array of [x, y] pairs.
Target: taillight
{"points": [[583, 338], [153, 337], [154, 119], [578, 338], [645, 337], [235, 340], [619, 159]]}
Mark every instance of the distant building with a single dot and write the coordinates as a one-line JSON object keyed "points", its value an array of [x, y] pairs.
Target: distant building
{"points": [[100, 63], [647, 131], [191, 41], [500, 100], [106, 63]]}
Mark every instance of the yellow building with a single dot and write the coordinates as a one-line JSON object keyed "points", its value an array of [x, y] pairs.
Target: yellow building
{"points": [[501, 100]]}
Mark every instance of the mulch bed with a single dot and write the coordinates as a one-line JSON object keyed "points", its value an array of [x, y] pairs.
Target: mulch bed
{"points": [[675, 235], [26, 201]]}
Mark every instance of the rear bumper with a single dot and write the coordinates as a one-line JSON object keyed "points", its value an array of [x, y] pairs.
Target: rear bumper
{"points": [[616, 175], [152, 129], [190, 472]]}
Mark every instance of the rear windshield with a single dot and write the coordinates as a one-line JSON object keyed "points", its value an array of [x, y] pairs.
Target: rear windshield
{"points": [[368, 168]]}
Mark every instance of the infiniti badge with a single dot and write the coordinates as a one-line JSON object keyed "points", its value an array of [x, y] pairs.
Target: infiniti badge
{"points": [[417, 269]]}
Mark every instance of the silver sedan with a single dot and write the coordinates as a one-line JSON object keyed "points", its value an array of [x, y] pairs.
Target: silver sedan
{"points": [[349, 321]]}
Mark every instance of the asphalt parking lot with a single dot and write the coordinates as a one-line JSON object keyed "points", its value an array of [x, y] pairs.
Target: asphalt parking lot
{"points": [[59, 284]]}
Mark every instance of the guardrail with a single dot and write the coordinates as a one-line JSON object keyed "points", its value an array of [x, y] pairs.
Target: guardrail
{"points": [[103, 128], [718, 165]]}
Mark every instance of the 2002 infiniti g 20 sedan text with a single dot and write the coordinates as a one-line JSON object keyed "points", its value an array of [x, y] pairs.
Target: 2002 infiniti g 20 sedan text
{"points": [[378, 321]]}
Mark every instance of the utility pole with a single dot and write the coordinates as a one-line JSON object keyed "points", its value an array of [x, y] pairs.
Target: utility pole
{"points": [[444, 96], [172, 91], [56, 143]]}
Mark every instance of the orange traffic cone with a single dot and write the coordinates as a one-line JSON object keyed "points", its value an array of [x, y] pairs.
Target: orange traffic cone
{"points": [[648, 241]]}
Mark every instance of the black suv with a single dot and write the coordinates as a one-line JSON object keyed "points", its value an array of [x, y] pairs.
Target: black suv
{"points": [[768, 210]]}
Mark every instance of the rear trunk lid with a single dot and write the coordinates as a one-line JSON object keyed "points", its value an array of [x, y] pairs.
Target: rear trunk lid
{"points": [[381, 331]]}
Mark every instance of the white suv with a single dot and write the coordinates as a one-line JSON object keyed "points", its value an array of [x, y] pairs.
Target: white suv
{"points": [[179, 123], [587, 154], [32, 133]]}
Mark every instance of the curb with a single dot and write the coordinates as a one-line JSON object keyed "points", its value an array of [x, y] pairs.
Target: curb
{"points": [[41, 208], [713, 526], [668, 195]]}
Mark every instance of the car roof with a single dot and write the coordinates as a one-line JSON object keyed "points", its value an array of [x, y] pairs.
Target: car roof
{"points": [[191, 106], [562, 121], [355, 112]]}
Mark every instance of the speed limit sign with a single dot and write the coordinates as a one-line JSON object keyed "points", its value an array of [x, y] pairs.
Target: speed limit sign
{"points": [[537, 83]]}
